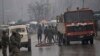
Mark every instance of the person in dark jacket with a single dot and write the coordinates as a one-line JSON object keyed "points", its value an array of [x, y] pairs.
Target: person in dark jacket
{"points": [[53, 34], [60, 38], [46, 34], [15, 43], [39, 34], [50, 35], [5, 42]]}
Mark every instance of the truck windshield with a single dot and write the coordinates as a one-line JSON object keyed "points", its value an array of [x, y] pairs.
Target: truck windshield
{"points": [[18, 29], [80, 28], [78, 15]]}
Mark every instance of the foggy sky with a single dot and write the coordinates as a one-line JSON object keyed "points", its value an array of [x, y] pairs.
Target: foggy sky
{"points": [[18, 9]]}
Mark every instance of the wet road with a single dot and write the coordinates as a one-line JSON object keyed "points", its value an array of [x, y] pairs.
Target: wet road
{"points": [[52, 50], [75, 49], [24, 52]]}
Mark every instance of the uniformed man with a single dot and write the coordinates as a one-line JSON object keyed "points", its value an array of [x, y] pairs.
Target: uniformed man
{"points": [[5, 42], [53, 33], [15, 44], [60, 38], [39, 34], [50, 35], [46, 34]]}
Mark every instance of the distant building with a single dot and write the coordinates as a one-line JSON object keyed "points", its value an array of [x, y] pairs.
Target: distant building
{"points": [[97, 15]]}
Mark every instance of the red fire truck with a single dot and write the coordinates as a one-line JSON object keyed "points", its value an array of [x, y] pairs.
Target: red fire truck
{"points": [[78, 25]]}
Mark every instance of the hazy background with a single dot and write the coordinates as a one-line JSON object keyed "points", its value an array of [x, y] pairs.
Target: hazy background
{"points": [[18, 9]]}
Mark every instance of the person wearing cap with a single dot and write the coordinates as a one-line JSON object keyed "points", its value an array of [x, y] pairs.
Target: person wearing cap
{"points": [[15, 44], [4, 42], [39, 34]]}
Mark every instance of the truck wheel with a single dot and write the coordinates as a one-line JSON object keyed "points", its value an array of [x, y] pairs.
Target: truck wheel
{"points": [[83, 42], [0, 44], [0, 47], [91, 41], [86, 42], [29, 48], [68, 42]]}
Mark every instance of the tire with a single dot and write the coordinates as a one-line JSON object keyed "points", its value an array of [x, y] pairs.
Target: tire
{"points": [[68, 42], [29, 49], [84, 42], [91, 40], [0, 47]]}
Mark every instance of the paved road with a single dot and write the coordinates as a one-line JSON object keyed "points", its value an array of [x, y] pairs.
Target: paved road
{"points": [[75, 49], [24, 52], [80, 50]]}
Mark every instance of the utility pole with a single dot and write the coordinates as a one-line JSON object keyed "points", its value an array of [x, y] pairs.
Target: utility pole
{"points": [[3, 12], [48, 9], [83, 4], [22, 13]]}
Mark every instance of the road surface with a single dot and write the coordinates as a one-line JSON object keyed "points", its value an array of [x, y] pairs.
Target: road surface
{"points": [[75, 49]]}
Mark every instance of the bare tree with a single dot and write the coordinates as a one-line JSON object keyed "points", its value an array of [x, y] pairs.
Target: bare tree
{"points": [[38, 11]]}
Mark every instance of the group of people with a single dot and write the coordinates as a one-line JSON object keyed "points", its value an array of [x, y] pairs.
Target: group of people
{"points": [[13, 42], [49, 33]]}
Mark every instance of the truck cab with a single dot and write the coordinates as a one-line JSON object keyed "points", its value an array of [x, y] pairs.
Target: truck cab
{"points": [[77, 25]]}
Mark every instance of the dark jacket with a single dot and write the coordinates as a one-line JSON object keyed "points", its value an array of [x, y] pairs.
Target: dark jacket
{"points": [[4, 40], [15, 40], [39, 31]]}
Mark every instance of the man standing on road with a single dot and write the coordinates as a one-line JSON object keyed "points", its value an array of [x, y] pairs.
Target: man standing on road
{"points": [[15, 44], [5, 42], [60, 38], [53, 33], [50, 35], [39, 34], [46, 34]]}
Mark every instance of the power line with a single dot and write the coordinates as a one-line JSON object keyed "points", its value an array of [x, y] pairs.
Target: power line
{"points": [[3, 12]]}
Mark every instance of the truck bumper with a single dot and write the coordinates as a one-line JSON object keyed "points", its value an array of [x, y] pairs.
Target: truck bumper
{"points": [[78, 38]]}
